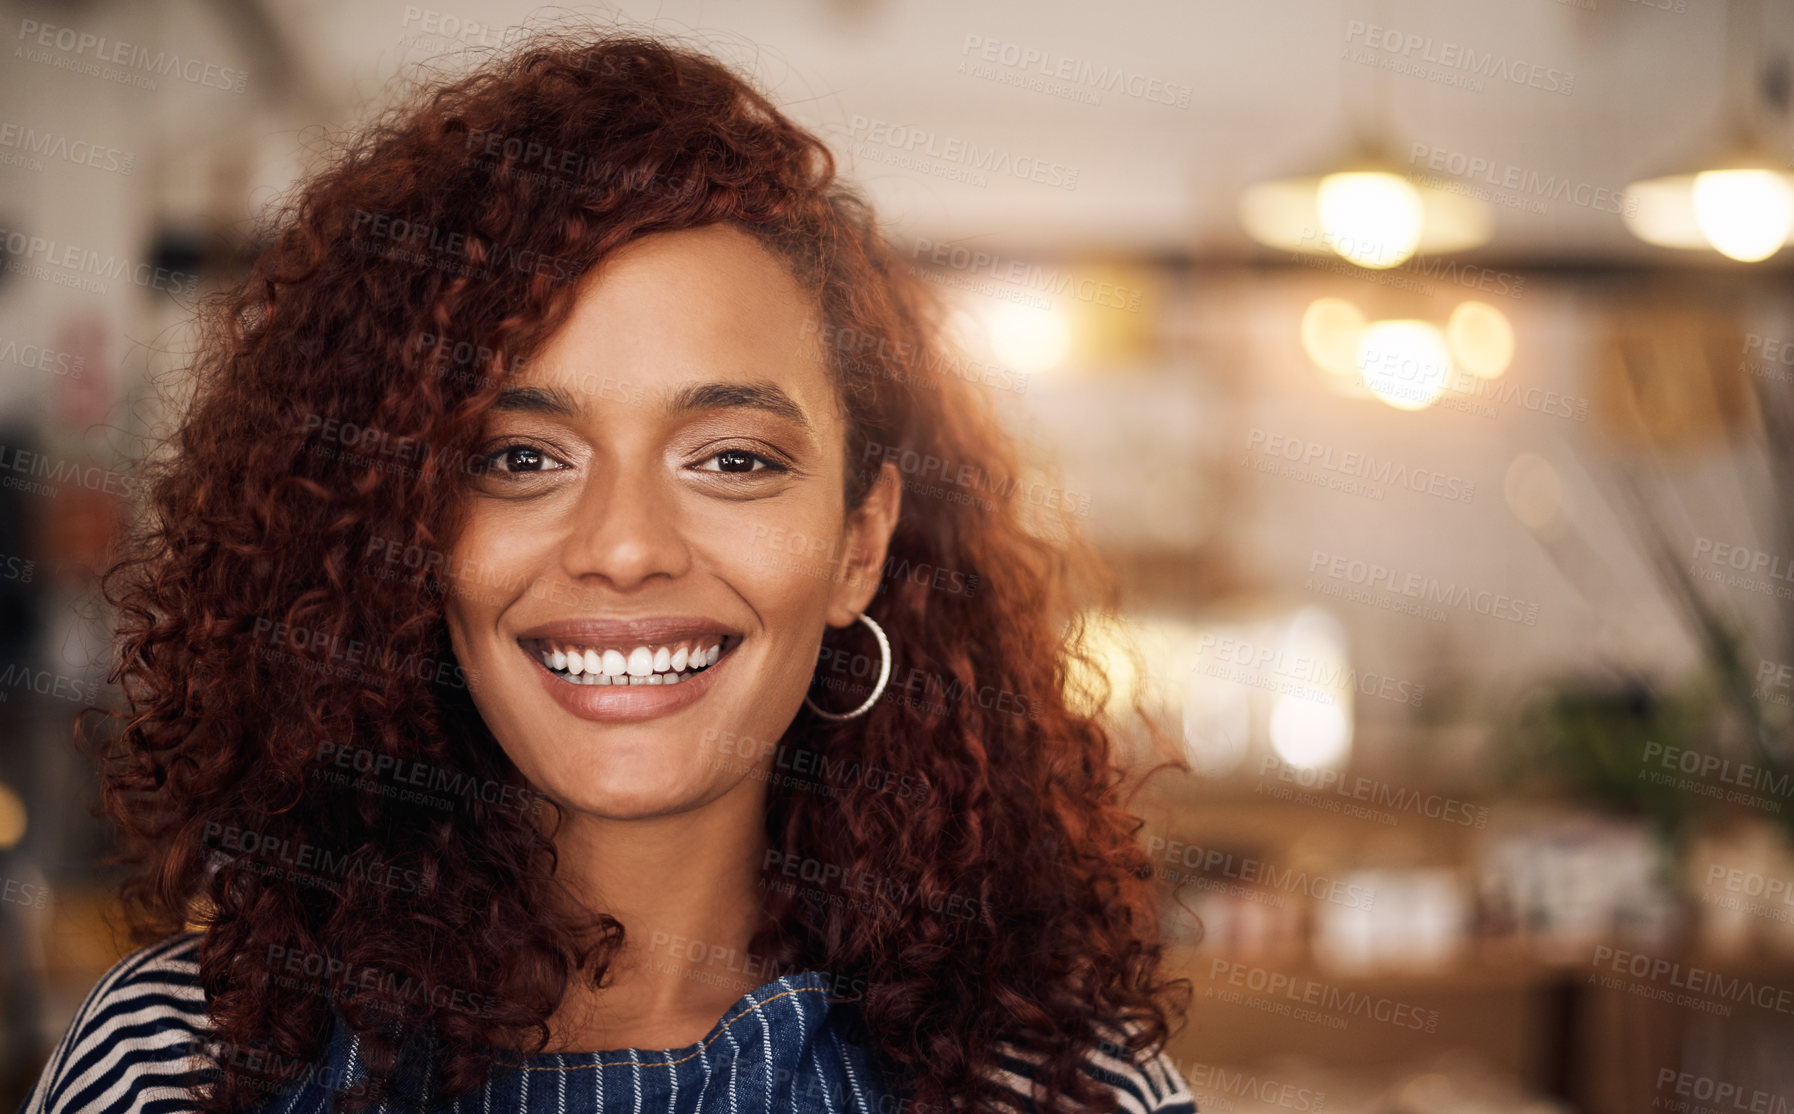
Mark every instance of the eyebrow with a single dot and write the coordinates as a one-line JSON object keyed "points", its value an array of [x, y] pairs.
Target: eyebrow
{"points": [[698, 396], [536, 400], [738, 396]]}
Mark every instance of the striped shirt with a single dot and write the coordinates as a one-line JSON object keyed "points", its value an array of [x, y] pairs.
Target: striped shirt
{"points": [[780, 1049]]}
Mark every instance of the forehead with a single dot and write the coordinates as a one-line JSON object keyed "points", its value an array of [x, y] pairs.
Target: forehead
{"points": [[698, 315]]}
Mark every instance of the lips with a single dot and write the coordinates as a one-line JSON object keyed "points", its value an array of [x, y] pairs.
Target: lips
{"points": [[624, 633], [631, 682]]}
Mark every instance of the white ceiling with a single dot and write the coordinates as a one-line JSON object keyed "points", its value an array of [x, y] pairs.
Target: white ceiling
{"points": [[1269, 96]]}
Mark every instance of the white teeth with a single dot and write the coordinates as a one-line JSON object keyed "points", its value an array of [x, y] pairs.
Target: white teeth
{"points": [[642, 665]]}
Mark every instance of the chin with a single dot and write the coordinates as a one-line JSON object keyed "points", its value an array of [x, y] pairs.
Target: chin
{"points": [[597, 780], [640, 803]]}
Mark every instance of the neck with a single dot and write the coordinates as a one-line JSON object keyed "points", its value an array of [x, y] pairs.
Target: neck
{"points": [[686, 889]]}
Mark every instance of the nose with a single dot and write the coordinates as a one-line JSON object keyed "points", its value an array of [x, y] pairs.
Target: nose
{"points": [[624, 528]]}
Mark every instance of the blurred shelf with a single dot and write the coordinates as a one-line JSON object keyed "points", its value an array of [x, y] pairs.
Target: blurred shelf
{"points": [[1491, 969], [1478, 975]]}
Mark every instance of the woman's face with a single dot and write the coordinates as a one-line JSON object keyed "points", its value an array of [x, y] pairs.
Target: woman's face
{"points": [[657, 540]]}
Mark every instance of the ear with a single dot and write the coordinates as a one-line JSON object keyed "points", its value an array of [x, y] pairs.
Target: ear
{"points": [[868, 536]]}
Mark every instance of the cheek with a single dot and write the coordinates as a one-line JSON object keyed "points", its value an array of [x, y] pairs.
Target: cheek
{"points": [[781, 561], [492, 562], [477, 578], [777, 556], [461, 605]]}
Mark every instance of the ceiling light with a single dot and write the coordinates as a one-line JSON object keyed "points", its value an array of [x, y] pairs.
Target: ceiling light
{"points": [[1363, 210], [1482, 341], [1405, 363]]}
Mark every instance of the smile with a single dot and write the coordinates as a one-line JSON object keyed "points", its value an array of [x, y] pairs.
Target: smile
{"points": [[620, 672], [641, 664]]}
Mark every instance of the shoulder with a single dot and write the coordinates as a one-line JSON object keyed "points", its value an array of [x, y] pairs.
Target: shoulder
{"points": [[131, 1042], [1153, 1085]]}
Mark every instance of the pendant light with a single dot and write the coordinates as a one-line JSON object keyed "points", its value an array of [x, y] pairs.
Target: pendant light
{"points": [[1361, 205], [1738, 197]]}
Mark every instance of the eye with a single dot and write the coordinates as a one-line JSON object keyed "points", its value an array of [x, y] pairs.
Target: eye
{"points": [[740, 461], [514, 459]]}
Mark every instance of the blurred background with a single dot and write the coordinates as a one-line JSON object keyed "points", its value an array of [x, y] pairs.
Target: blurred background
{"points": [[1424, 369]]}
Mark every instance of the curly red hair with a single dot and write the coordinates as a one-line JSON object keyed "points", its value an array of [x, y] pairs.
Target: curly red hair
{"points": [[259, 642]]}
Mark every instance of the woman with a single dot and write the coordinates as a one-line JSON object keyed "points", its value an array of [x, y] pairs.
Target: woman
{"points": [[587, 652]]}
